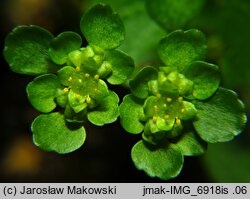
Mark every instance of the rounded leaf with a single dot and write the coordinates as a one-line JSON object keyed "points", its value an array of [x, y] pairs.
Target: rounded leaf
{"points": [[205, 77], [42, 92], [122, 66], [191, 144], [102, 27], [180, 48], [52, 133], [62, 45], [220, 118], [174, 14], [106, 112], [26, 50], [131, 110], [139, 85], [164, 162]]}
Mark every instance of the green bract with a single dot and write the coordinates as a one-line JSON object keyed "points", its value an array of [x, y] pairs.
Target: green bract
{"points": [[179, 107], [73, 76]]}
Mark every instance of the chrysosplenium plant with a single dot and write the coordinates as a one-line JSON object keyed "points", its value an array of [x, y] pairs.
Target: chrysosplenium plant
{"points": [[178, 107], [70, 76]]}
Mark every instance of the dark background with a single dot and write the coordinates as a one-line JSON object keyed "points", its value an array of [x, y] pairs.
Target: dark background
{"points": [[105, 156]]}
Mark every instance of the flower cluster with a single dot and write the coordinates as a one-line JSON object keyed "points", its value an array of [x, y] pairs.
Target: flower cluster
{"points": [[177, 107], [71, 76]]}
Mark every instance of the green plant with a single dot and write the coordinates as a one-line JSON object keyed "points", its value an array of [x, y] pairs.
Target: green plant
{"points": [[178, 107], [71, 77]]}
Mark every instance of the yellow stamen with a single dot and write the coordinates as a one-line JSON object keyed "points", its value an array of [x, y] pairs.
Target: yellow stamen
{"points": [[180, 99], [154, 118], [70, 79], [66, 90], [158, 95], [78, 69], [166, 117], [88, 99], [182, 110], [86, 75], [169, 99], [178, 121], [155, 107], [96, 77], [77, 96]]}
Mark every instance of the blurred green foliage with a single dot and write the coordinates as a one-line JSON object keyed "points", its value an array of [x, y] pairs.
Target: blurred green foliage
{"points": [[228, 162], [227, 24], [171, 14]]}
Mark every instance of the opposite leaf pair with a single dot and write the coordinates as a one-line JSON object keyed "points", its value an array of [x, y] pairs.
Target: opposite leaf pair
{"points": [[71, 76], [179, 107]]}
